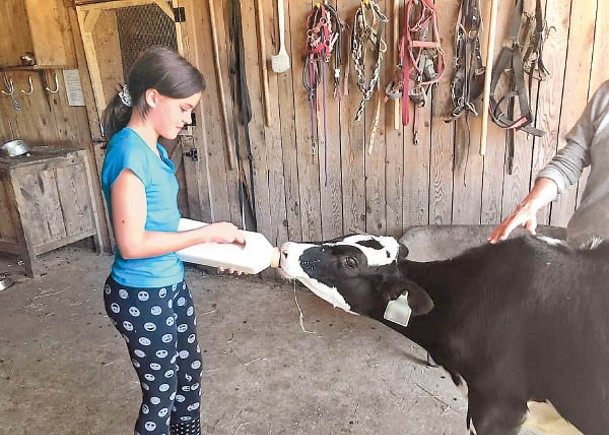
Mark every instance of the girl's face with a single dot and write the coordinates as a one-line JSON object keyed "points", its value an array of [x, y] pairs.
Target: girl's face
{"points": [[169, 115]]}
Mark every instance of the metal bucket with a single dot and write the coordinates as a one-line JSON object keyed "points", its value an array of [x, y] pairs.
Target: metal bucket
{"points": [[14, 148]]}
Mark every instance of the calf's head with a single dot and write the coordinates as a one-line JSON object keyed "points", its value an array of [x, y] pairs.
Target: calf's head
{"points": [[360, 274]]}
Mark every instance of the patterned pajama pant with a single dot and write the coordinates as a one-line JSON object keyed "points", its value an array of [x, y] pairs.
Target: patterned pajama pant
{"points": [[159, 327]]}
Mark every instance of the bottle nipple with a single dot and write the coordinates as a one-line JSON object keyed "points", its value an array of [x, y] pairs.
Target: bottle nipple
{"points": [[275, 257]]}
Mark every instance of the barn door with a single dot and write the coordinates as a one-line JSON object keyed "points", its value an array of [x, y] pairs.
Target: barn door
{"points": [[114, 33]]}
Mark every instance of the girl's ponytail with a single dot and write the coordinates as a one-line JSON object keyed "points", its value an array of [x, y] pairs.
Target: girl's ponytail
{"points": [[115, 117]]}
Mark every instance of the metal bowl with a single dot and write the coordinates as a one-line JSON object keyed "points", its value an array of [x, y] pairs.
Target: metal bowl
{"points": [[14, 148], [6, 282]]}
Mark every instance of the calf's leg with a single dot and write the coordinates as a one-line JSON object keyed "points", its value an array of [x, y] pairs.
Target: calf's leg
{"points": [[493, 415]]}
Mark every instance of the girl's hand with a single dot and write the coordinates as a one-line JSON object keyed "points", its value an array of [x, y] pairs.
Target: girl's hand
{"points": [[222, 232]]}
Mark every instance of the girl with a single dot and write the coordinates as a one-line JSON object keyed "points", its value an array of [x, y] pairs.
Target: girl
{"points": [[146, 295]]}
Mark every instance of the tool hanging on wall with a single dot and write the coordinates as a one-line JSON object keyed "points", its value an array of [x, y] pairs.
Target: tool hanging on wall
{"points": [[30, 91], [219, 78], [510, 62], [490, 53], [323, 44], [263, 63], [281, 61], [422, 61], [242, 115], [367, 35], [534, 34], [468, 79], [10, 91]]}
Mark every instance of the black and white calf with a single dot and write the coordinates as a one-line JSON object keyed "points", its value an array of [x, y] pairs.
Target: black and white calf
{"points": [[517, 323]]}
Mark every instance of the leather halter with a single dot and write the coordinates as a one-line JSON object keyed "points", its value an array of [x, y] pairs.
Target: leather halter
{"points": [[422, 60]]}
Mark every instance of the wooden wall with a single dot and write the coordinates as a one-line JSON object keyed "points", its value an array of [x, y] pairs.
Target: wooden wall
{"points": [[399, 184], [47, 118], [346, 190]]}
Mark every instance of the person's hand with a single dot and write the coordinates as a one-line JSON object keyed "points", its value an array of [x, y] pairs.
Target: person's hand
{"points": [[525, 215], [230, 271], [222, 232]]}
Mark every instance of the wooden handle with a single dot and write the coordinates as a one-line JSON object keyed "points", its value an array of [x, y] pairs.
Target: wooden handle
{"points": [[490, 54], [263, 63], [397, 116], [229, 142]]}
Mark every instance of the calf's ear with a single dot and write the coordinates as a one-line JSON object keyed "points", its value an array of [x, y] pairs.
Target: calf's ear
{"points": [[419, 300], [403, 252]]}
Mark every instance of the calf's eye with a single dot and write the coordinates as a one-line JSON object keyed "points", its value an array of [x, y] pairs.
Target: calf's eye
{"points": [[350, 262]]}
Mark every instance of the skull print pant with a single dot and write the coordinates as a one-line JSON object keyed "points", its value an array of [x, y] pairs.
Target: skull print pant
{"points": [[159, 327]]}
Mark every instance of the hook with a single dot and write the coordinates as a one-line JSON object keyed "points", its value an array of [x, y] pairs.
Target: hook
{"points": [[31, 90], [53, 91], [10, 92], [9, 85]]}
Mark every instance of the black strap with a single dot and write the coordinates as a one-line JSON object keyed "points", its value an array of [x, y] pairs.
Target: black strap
{"points": [[241, 99], [510, 59], [468, 79]]}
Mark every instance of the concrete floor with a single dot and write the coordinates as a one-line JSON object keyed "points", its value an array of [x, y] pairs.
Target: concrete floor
{"points": [[64, 369]]}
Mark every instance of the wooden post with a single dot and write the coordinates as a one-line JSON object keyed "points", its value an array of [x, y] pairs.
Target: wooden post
{"points": [[490, 54]]}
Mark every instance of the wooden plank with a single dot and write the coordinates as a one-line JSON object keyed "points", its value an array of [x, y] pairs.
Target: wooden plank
{"points": [[91, 112], [374, 163], [442, 133], [601, 46], [47, 28], [581, 35], [74, 198], [308, 170], [467, 175], [77, 126], [550, 95], [329, 160], [272, 134], [501, 199], [495, 157], [15, 38], [196, 173], [394, 138], [224, 203], [287, 85], [39, 206], [8, 229], [352, 142], [35, 123], [117, 4], [598, 74], [262, 198], [6, 129]]}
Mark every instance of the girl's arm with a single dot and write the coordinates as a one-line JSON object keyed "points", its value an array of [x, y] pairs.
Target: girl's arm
{"points": [[128, 200]]}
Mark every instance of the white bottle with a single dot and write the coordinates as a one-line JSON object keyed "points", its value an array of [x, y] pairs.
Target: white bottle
{"points": [[256, 255]]}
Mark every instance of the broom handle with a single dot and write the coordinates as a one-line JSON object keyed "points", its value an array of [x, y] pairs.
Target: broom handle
{"points": [[229, 143], [490, 52], [263, 64], [397, 117], [281, 18]]}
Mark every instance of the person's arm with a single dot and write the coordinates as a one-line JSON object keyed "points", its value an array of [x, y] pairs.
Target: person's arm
{"points": [[128, 199], [543, 192]]}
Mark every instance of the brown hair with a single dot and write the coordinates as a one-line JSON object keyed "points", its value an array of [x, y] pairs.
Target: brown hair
{"points": [[158, 68]]}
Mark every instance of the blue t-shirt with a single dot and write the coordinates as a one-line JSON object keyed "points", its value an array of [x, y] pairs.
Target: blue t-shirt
{"points": [[127, 150]]}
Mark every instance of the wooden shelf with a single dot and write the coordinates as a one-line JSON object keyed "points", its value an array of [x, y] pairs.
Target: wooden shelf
{"points": [[33, 67]]}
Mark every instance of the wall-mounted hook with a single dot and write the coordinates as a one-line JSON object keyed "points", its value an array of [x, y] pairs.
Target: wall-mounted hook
{"points": [[10, 91], [52, 91], [31, 90]]}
